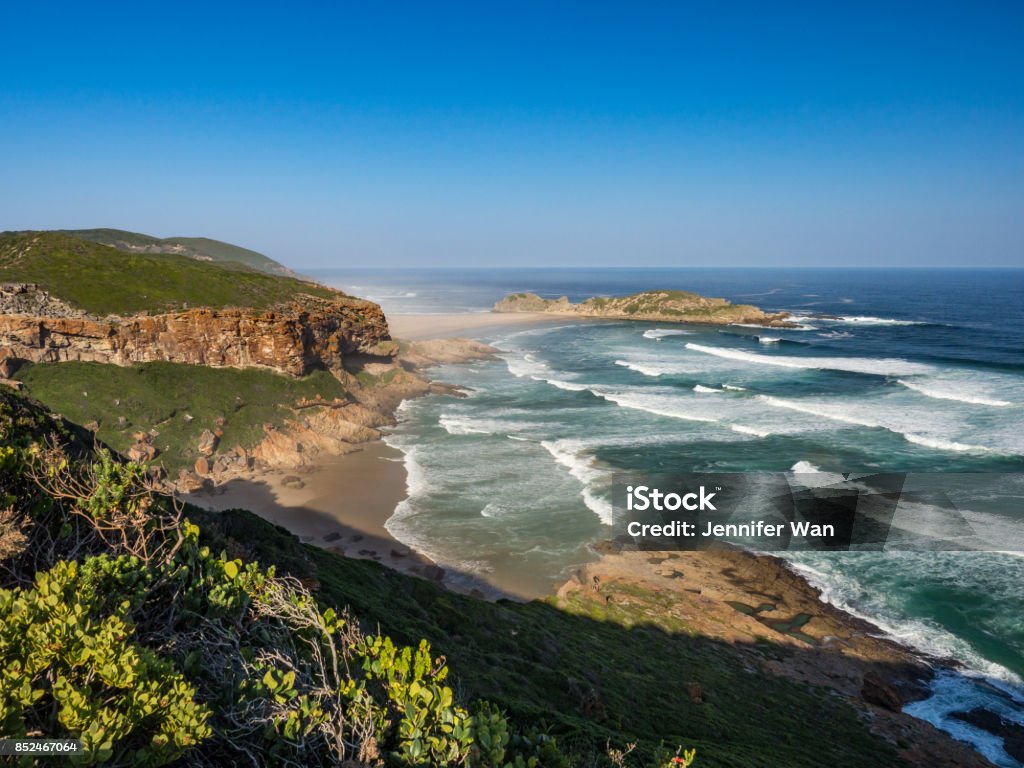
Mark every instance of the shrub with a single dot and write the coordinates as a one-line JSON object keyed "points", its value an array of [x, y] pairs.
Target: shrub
{"points": [[68, 669]]}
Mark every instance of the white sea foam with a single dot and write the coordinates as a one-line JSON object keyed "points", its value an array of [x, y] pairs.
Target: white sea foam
{"points": [[951, 392], [651, 403], [869, 320], [837, 413], [660, 333], [943, 445], [705, 390], [672, 407], [526, 366], [655, 368], [734, 388], [744, 430], [571, 454], [402, 524], [804, 467], [455, 425], [867, 365], [768, 339], [569, 386], [844, 591], [531, 368], [952, 692], [491, 509]]}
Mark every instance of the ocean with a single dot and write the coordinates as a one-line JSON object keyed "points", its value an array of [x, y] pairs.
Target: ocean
{"points": [[890, 370]]}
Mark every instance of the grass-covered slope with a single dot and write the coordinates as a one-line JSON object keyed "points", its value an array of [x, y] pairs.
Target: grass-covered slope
{"points": [[121, 627], [103, 280], [174, 400], [202, 248], [596, 678]]}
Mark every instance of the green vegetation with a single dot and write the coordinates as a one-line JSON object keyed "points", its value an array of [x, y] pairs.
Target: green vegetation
{"points": [[122, 628], [202, 248], [175, 400], [70, 667], [268, 670], [103, 280], [616, 674], [665, 305]]}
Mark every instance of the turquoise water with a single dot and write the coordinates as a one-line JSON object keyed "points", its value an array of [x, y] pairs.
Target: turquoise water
{"points": [[890, 371]]}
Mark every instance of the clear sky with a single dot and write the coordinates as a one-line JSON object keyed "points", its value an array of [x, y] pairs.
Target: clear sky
{"points": [[525, 133]]}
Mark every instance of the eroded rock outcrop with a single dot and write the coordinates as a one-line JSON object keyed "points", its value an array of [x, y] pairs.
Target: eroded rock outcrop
{"points": [[293, 338]]}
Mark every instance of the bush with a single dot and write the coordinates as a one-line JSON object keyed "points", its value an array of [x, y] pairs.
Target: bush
{"points": [[68, 669]]}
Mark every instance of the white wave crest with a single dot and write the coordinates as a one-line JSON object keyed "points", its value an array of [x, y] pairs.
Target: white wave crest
{"points": [[939, 393], [869, 320], [867, 365], [571, 455], [744, 430], [455, 425], [705, 390], [804, 466], [528, 367], [653, 369], [768, 339], [835, 414], [669, 407], [734, 388], [659, 333]]}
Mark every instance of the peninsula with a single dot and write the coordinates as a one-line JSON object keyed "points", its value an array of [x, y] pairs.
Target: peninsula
{"points": [[655, 306]]}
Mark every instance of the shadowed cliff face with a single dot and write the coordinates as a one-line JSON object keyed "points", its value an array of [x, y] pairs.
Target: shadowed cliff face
{"points": [[293, 338]]}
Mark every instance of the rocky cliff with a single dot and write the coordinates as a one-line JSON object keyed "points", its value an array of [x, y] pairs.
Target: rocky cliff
{"points": [[656, 306], [295, 337]]}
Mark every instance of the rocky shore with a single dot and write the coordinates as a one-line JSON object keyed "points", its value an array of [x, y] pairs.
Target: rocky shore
{"points": [[319, 430], [650, 306], [777, 622]]}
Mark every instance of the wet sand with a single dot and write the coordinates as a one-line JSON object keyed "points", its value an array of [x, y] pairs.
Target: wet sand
{"points": [[340, 505]]}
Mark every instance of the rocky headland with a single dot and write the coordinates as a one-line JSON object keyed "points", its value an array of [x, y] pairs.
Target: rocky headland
{"points": [[293, 338], [651, 306], [345, 336], [775, 623]]}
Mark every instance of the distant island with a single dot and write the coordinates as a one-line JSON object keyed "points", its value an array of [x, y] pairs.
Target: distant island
{"points": [[657, 306]]}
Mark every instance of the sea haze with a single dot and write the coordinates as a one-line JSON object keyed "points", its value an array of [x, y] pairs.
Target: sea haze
{"points": [[890, 370]]}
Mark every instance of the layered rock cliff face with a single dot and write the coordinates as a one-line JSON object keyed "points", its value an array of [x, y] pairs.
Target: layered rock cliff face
{"points": [[656, 306], [293, 338]]}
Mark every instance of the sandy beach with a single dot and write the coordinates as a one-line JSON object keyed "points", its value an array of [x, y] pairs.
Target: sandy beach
{"points": [[417, 327], [340, 505]]}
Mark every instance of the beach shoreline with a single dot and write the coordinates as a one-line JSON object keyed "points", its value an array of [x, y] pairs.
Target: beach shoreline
{"points": [[340, 504], [410, 327]]}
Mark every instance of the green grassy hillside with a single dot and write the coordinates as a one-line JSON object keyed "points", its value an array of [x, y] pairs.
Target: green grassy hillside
{"points": [[175, 400], [614, 677], [103, 280], [202, 248]]}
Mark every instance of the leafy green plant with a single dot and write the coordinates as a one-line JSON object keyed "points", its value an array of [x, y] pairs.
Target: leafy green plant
{"points": [[68, 668]]}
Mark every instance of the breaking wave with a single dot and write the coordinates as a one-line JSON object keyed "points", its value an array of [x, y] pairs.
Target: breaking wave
{"points": [[866, 365]]}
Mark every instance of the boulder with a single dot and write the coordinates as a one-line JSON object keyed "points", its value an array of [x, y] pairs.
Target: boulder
{"points": [[876, 690], [207, 443]]}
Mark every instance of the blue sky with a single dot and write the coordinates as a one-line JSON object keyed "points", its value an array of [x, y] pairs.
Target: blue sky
{"points": [[525, 133]]}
